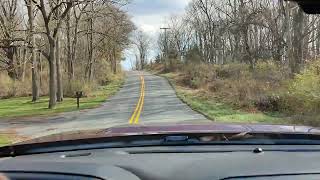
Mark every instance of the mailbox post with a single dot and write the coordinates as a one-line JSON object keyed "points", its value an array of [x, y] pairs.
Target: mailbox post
{"points": [[79, 95]]}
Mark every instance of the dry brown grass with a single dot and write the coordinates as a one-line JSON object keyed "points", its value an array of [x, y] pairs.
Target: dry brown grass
{"points": [[12, 88], [232, 83], [103, 76]]}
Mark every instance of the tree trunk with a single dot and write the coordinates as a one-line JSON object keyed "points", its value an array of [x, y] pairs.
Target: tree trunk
{"points": [[11, 66], [297, 42], [114, 61], [52, 75], [89, 71], [142, 58], [17, 60], [23, 73], [40, 68], [236, 52], [69, 51], [59, 76], [35, 85], [318, 41], [248, 55]]}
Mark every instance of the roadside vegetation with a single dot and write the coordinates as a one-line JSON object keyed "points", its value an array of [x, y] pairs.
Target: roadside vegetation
{"points": [[244, 61], [234, 94], [4, 141], [93, 97], [49, 50], [224, 102], [58, 48]]}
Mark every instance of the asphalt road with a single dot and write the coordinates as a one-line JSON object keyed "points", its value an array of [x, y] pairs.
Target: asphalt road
{"points": [[144, 98]]}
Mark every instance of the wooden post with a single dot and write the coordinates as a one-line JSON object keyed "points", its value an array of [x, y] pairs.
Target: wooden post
{"points": [[78, 96]]}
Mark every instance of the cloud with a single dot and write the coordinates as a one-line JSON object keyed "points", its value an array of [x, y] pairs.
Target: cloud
{"points": [[150, 15], [149, 7], [150, 23]]}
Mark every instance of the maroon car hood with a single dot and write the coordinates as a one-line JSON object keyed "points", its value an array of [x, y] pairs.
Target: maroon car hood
{"points": [[177, 128]]}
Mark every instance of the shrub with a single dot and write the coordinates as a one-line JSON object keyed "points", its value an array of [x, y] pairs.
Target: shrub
{"points": [[245, 91], [70, 88], [195, 82], [198, 75], [193, 56], [10, 88], [268, 71], [304, 90], [111, 77], [44, 86], [268, 103], [217, 85], [235, 83], [5, 85], [233, 70], [263, 89], [306, 119], [102, 72]]}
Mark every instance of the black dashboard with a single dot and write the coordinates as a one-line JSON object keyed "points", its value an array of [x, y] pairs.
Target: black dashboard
{"points": [[171, 163]]}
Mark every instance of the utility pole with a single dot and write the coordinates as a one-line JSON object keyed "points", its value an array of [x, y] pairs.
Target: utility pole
{"points": [[166, 40]]}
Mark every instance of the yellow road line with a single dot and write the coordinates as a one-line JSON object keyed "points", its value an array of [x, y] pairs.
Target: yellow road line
{"points": [[136, 114], [138, 105], [141, 105]]}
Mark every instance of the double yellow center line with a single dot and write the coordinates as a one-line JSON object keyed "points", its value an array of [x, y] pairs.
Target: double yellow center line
{"points": [[136, 114]]}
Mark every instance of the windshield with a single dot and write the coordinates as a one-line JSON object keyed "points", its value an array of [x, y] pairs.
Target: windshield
{"points": [[81, 66]]}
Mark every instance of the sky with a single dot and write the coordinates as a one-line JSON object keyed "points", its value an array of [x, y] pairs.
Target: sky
{"points": [[149, 16]]}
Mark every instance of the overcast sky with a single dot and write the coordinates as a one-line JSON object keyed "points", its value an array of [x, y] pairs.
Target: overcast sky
{"points": [[150, 15]]}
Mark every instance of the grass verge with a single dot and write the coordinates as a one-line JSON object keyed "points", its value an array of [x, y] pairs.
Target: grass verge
{"points": [[218, 111], [4, 141], [23, 107]]}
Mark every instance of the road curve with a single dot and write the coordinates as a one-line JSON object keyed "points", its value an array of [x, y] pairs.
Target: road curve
{"points": [[158, 105]]}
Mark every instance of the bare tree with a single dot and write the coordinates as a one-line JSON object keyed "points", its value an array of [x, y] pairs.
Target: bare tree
{"points": [[297, 42], [181, 35], [9, 22], [245, 31], [75, 36], [72, 37], [51, 32], [142, 43]]}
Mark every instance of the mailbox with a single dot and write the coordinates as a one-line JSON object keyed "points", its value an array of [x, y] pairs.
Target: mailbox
{"points": [[79, 95]]}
